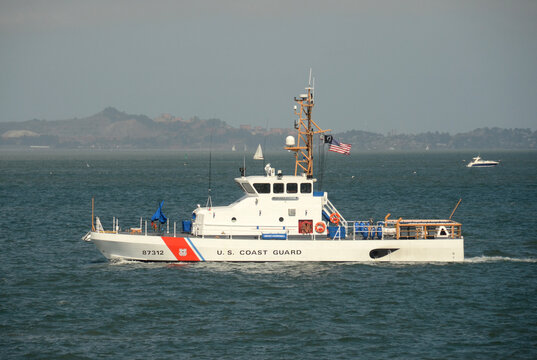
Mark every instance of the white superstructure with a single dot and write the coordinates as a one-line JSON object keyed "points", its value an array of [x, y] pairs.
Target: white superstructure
{"points": [[271, 204]]}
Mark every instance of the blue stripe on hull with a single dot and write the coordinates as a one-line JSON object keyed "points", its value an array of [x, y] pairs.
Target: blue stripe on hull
{"points": [[195, 249]]}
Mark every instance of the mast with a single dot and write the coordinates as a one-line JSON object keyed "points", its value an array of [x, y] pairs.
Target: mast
{"points": [[306, 129]]}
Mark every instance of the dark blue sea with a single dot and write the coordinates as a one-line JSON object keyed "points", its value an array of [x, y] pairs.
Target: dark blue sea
{"points": [[61, 299]]}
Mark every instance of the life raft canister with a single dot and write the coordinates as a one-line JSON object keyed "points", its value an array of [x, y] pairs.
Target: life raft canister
{"points": [[320, 227], [334, 218]]}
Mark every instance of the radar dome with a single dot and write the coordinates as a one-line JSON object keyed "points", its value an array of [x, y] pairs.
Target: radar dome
{"points": [[290, 141]]}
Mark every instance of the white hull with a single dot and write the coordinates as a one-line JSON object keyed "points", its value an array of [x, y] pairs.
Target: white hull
{"points": [[173, 249], [491, 164]]}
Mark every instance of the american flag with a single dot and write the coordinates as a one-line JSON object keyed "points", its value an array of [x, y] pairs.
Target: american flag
{"points": [[340, 147]]}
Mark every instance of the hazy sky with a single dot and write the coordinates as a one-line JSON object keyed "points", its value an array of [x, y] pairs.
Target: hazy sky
{"points": [[408, 66]]}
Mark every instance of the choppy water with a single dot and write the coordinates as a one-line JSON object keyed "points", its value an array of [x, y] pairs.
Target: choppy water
{"points": [[60, 299]]}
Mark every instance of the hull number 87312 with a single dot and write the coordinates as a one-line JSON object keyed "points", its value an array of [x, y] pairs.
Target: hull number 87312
{"points": [[152, 252]]}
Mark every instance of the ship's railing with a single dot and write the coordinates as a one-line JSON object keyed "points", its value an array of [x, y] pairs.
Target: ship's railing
{"points": [[141, 230], [404, 229], [351, 230], [427, 229]]}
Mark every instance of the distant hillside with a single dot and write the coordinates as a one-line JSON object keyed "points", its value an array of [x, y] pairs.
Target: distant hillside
{"points": [[112, 129], [483, 138], [115, 129]]}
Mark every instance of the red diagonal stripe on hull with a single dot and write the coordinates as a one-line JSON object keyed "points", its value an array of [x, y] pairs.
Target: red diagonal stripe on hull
{"points": [[180, 248]]}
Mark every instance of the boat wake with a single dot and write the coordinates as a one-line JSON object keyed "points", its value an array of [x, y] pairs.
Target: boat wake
{"points": [[301, 267], [489, 259], [152, 264], [122, 262]]}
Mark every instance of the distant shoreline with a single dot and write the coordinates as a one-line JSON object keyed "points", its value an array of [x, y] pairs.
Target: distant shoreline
{"points": [[111, 129], [249, 153]]}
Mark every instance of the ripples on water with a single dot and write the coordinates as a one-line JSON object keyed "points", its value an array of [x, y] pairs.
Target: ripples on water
{"points": [[61, 299]]}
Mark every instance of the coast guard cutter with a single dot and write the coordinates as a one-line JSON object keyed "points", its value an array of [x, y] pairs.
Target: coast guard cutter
{"points": [[283, 218]]}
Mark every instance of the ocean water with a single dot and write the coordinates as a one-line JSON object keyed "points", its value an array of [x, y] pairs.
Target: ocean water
{"points": [[61, 299]]}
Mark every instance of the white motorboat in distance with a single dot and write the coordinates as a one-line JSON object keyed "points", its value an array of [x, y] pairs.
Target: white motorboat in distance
{"points": [[282, 218], [479, 162]]}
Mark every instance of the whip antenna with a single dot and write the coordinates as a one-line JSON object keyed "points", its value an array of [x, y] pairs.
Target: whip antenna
{"points": [[209, 204], [456, 206]]}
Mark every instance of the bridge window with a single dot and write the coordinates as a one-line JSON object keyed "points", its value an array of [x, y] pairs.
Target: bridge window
{"points": [[247, 187], [277, 188], [292, 188], [262, 188], [305, 188]]}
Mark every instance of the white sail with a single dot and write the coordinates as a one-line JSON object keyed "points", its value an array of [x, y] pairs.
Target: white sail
{"points": [[258, 153]]}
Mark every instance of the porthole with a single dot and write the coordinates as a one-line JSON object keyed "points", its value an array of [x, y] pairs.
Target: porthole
{"points": [[281, 219], [233, 219]]}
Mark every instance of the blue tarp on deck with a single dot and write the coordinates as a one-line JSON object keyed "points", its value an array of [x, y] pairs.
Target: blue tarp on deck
{"points": [[158, 215]]}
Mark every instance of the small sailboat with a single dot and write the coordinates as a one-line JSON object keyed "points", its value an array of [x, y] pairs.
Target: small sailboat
{"points": [[259, 153], [233, 148]]}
